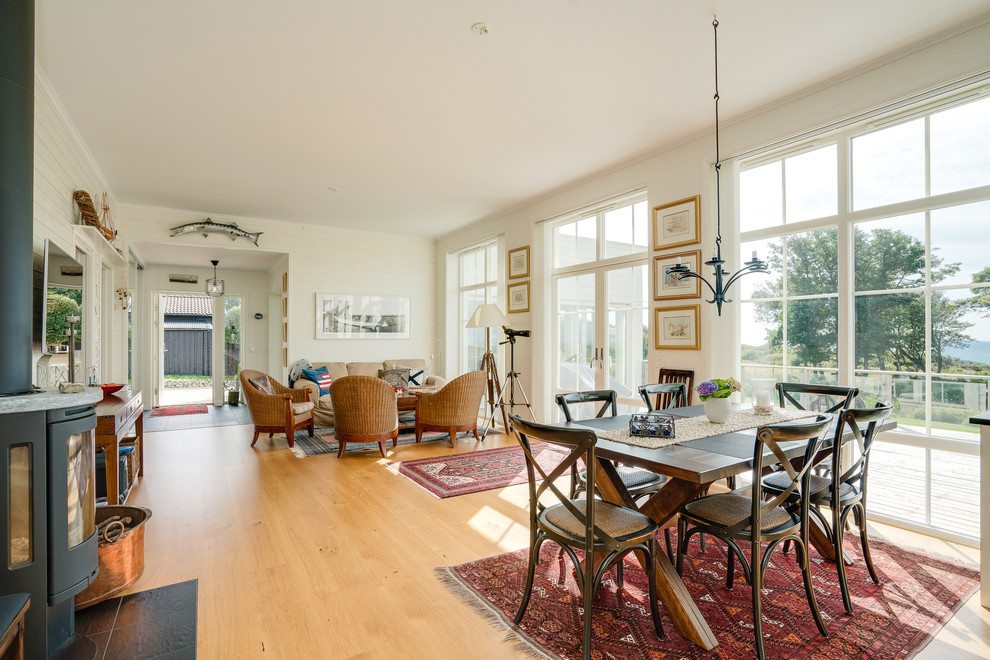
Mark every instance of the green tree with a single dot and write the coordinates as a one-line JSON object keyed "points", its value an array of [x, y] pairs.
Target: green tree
{"points": [[59, 307], [232, 327]]}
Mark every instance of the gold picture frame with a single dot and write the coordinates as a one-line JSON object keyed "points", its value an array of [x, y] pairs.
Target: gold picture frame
{"points": [[285, 332], [674, 287], [285, 357], [677, 328], [285, 307], [519, 262], [673, 226], [285, 282], [518, 297]]}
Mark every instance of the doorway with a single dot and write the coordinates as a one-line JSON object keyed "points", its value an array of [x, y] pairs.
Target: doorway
{"points": [[185, 364]]}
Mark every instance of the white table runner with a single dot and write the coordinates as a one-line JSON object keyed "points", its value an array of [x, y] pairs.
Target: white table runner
{"points": [[695, 428]]}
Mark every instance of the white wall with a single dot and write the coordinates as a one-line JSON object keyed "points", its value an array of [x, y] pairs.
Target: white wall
{"points": [[62, 165], [685, 170], [320, 260]]}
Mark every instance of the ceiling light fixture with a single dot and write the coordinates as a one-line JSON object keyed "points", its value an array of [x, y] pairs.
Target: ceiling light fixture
{"points": [[755, 265], [214, 286], [481, 29]]}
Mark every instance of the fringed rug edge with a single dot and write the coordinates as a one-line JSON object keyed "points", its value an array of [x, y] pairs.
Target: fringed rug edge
{"points": [[467, 595]]}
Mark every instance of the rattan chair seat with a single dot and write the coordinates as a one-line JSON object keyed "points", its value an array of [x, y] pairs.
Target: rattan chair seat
{"points": [[304, 407], [726, 509], [618, 522], [819, 485], [632, 478]]}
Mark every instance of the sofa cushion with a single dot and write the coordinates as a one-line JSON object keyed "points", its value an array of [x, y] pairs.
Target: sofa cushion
{"points": [[363, 369], [417, 376], [320, 376], [395, 377], [262, 384]]}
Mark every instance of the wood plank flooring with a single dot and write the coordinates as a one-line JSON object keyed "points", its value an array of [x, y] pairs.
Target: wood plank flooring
{"points": [[333, 558]]}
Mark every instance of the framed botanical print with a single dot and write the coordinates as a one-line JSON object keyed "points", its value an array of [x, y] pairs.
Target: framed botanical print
{"points": [[519, 262], [677, 223], [678, 327], [518, 297], [672, 286]]}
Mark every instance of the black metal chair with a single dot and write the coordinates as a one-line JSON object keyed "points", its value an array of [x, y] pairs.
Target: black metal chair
{"points": [[673, 395], [845, 491], [638, 482], [589, 524], [824, 398], [736, 517]]}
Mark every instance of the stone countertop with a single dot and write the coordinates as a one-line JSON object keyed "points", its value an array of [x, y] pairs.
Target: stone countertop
{"points": [[48, 400]]}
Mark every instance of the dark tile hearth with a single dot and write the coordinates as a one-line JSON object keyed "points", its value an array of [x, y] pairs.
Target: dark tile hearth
{"points": [[158, 623]]}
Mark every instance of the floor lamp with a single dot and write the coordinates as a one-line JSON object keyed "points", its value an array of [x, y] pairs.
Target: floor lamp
{"points": [[489, 316]]}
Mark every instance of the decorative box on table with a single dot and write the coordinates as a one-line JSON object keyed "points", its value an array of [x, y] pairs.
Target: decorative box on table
{"points": [[657, 425]]}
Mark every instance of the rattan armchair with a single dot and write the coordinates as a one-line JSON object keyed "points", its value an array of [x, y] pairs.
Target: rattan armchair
{"points": [[286, 411], [364, 410], [454, 408]]}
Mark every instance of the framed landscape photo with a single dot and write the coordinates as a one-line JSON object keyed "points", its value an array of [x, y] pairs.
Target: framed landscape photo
{"points": [[672, 286], [677, 223], [361, 317], [678, 327], [518, 297], [519, 262]]}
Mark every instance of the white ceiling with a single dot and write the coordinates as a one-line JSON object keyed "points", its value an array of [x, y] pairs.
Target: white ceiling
{"points": [[255, 108], [151, 253]]}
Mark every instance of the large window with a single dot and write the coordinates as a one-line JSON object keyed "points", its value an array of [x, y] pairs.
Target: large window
{"points": [[877, 238], [477, 278], [601, 298]]}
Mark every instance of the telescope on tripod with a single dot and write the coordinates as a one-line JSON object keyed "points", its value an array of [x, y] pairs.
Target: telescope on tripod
{"points": [[510, 385]]}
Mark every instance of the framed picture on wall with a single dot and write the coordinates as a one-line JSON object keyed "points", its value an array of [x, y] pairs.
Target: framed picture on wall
{"points": [[285, 282], [672, 286], [678, 327], [285, 332], [519, 262], [341, 316], [677, 223], [285, 307], [518, 297]]}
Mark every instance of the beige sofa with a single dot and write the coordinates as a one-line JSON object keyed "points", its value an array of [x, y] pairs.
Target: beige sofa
{"points": [[323, 415]]}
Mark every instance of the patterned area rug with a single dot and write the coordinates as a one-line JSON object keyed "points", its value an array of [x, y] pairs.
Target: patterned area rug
{"points": [[171, 411], [471, 472], [915, 598], [324, 442]]}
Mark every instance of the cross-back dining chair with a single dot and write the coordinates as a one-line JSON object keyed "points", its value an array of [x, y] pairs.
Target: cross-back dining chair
{"points": [[685, 376], [637, 481], [844, 491], [822, 398], [590, 525], [674, 395], [735, 517]]}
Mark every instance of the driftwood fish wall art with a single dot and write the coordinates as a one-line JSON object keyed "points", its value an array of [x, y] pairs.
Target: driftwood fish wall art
{"points": [[207, 227]]}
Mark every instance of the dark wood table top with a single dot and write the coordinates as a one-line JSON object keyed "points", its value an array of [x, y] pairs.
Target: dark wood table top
{"points": [[111, 403], [699, 461]]}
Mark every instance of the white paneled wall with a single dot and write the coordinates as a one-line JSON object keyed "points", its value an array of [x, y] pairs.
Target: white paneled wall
{"points": [[321, 260], [62, 165]]}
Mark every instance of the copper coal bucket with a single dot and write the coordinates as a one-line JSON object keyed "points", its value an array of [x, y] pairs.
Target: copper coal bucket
{"points": [[121, 553]]}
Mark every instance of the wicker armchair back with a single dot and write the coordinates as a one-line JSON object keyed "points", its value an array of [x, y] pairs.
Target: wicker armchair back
{"points": [[274, 413], [365, 411], [454, 408]]}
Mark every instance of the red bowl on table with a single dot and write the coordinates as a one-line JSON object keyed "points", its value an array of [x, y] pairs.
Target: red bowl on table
{"points": [[110, 389]]}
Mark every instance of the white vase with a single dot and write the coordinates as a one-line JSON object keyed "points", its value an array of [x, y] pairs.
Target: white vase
{"points": [[717, 411]]}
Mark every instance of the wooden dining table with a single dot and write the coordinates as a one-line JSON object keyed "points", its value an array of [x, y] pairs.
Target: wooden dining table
{"points": [[690, 467]]}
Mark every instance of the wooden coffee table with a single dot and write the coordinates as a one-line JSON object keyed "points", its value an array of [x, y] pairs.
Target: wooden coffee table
{"points": [[405, 403]]}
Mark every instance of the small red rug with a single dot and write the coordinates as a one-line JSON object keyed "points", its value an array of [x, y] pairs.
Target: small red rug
{"points": [[917, 594], [472, 472], [171, 411]]}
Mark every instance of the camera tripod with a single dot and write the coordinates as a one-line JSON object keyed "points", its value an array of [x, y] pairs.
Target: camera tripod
{"points": [[510, 384]]}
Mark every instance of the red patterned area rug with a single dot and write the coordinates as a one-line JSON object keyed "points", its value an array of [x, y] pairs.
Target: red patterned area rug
{"points": [[472, 472], [171, 411], [895, 620]]}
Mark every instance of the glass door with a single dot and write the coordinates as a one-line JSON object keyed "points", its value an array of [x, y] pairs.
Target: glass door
{"points": [[232, 333]]}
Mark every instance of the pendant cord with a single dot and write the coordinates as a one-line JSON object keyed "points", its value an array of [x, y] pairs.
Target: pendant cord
{"points": [[718, 159]]}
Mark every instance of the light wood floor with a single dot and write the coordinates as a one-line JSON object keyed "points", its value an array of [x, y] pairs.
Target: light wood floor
{"points": [[327, 558]]}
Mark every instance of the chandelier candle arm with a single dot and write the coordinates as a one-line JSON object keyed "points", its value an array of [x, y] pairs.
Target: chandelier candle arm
{"points": [[755, 265]]}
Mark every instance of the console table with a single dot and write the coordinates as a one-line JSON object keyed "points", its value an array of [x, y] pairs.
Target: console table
{"points": [[12, 610], [116, 416]]}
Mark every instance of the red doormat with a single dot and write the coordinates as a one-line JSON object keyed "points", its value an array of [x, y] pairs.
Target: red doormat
{"points": [[171, 411], [916, 596], [471, 472]]}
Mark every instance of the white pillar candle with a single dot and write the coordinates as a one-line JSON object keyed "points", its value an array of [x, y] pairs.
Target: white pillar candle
{"points": [[763, 397]]}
